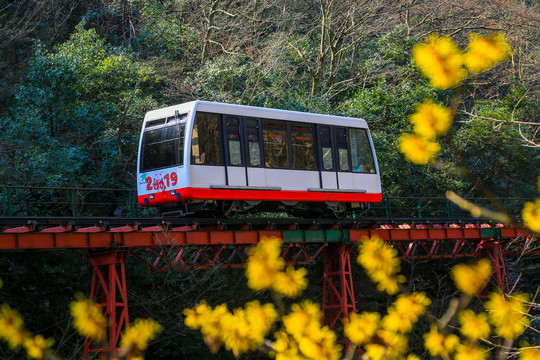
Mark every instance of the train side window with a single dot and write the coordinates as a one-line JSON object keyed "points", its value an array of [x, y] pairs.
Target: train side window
{"points": [[361, 156], [205, 140], [303, 149], [233, 140], [253, 141], [327, 157], [342, 149], [276, 144]]}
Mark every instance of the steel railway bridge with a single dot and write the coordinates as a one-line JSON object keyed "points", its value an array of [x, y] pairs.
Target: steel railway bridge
{"points": [[186, 244]]}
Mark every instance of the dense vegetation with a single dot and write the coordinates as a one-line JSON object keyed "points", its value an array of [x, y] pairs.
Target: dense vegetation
{"points": [[77, 77]]}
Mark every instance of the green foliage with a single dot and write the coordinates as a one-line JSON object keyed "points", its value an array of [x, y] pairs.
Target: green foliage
{"points": [[76, 120], [161, 33]]}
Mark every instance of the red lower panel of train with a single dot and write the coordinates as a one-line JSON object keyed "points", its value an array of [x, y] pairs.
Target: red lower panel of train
{"points": [[185, 194]]}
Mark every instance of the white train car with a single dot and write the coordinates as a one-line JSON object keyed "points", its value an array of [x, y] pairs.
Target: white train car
{"points": [[229, 158]]}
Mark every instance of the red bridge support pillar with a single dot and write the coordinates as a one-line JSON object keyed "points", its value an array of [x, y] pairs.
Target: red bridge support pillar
{"points": [[338, 292], [494, 251], [109, 290]]}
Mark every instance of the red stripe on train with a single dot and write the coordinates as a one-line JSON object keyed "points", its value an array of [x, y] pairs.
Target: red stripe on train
{"points": [[263, 195]]}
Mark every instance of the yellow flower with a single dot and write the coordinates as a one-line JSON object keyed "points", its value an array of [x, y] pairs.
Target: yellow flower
{"points": [[290, 283], [304, 318], [205, 318], [485, 51], [88, 318], [285, 347], [320, 344], [307, 334], [531, 215], [360, 328], [471, 279], [470, 352], [413, 305], [441, 60], [37, 346], [431, 120], [381, 264], [418, 149], [241, 331], [508, 314], [141, 333], [397, 321], [11, 327], [438, 344], [264, 263], [236, 333], [260, 318], [529, 354], [389, 345], [474, 326]]}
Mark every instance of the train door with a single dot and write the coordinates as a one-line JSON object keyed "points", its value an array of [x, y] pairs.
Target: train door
{"points": [[328, 158], [344, 175], [236, 167], [256, 175]]}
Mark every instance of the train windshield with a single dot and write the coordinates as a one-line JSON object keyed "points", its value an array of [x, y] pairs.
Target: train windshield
{"points": [[163, 147]]}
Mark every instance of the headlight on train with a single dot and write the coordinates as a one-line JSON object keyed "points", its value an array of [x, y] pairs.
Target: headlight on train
{"points": [[173, 192], [151, 196]]}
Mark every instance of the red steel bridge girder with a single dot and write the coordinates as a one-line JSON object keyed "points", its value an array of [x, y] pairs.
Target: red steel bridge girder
{"points": [[109, 290], [338, 289]]}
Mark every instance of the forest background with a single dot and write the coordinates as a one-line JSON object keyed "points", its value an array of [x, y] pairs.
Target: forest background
{"points": [[77, 77]]}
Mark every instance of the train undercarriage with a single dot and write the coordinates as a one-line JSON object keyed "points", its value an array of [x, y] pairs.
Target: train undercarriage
{"points": [[235, 208]]}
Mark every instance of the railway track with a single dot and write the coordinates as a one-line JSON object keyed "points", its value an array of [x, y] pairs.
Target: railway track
{"points": [[41, 223]]}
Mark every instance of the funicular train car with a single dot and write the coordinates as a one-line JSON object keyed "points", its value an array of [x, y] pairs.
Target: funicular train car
{"points": [[227, 159]]}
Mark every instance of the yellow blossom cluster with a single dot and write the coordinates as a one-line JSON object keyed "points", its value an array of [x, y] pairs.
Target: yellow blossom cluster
{"points": [[438, 344], [240, 331], [418, 149], [88, 318], [471, 279], [449, 346], [304, 337], [474, 326], [484, 52], [531, 215], [529, 354], [430, 121], [37, 347], [265, 269], [11, 326], [441, 60], [381, 264], [12, 331], [508, 314], [140, 333], [387, 337]]}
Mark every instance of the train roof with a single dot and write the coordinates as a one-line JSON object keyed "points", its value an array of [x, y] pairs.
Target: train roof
{"points": [[253, 111]]}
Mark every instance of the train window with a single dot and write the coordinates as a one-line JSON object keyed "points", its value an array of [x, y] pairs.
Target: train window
{"points": [[205, 141], [254, 145], [342, 149], [326, 148], [303, 149], [276, 144], [233, 140], [162, 147], [361, 156]]}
